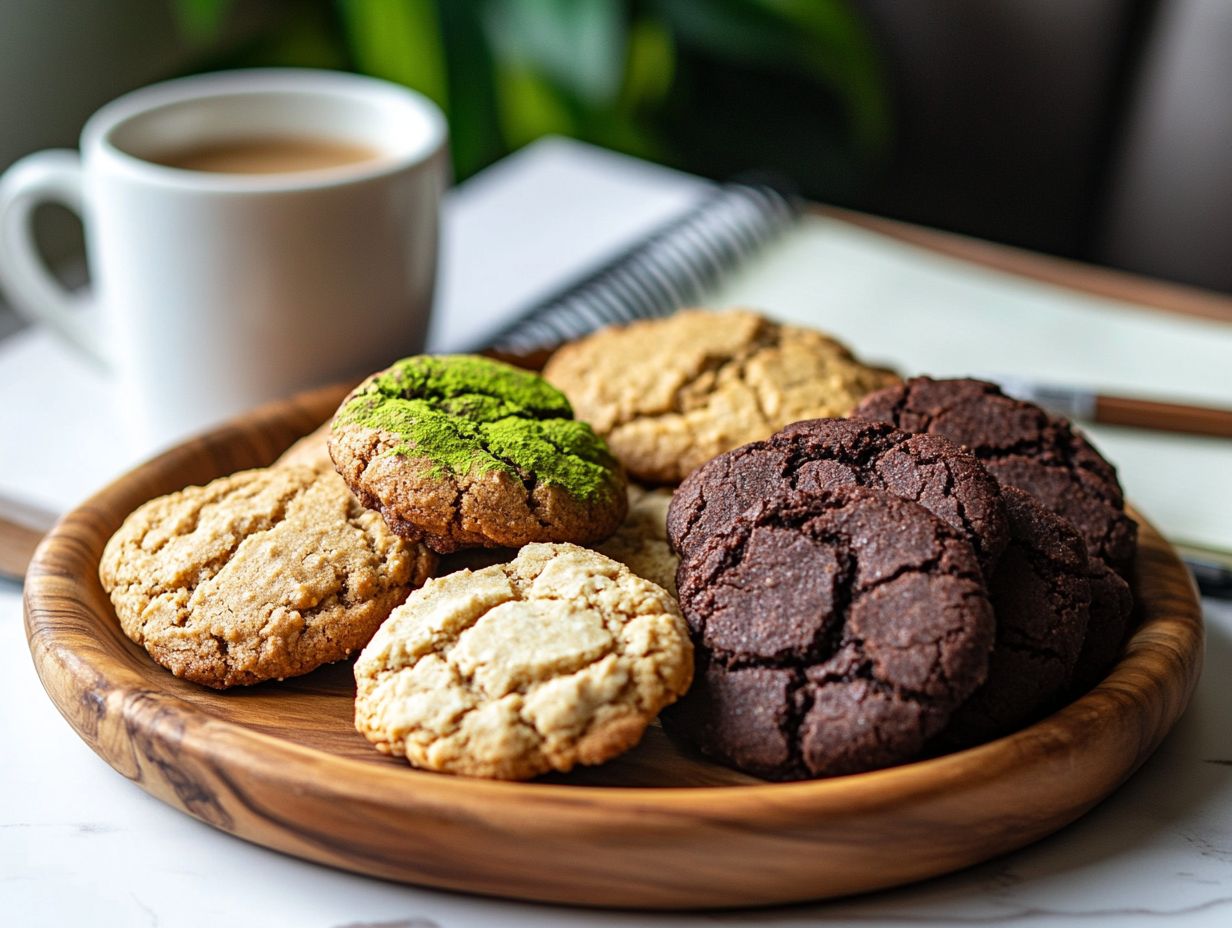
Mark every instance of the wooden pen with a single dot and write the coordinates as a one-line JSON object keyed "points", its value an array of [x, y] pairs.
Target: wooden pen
{"points": [[1128, 411]]}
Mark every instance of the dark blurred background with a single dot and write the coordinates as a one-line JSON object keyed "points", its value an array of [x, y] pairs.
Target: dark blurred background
{"points": [[1093, 129]]}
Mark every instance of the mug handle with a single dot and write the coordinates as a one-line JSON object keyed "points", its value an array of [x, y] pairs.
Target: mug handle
{"points": [[46, 176]]}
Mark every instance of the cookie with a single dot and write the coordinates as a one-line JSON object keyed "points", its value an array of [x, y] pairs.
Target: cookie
{"points": [[1112, 607], [670, 394], [1024, 447], [836, 632], [1041, 597], [822, 454], [558, 658], [310, 451], [641, 541], [462, 451], [262, 575]]}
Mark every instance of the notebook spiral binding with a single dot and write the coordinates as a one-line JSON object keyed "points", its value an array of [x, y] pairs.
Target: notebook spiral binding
{"points": [[675, 267]]}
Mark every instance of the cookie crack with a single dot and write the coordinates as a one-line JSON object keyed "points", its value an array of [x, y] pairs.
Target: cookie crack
{"points": [[1029, 448], [1042, 563], [380, 561], [528, 479], [831, 639], [949, 491], [210, 568], [800, 698], [905, 402], [754, 393], [1062, 455], [923, 568], [712, 364]]}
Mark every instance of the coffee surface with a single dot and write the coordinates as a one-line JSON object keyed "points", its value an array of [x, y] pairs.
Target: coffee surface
{"points": [[267, 155]]}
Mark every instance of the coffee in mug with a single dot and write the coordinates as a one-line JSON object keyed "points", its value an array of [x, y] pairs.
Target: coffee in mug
{"points": [[248, 234], [268, 155]]}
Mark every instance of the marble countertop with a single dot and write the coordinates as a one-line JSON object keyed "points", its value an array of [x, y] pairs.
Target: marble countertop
{"points": [[79, 844]]}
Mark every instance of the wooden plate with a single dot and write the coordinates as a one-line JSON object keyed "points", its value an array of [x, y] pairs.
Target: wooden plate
{"points": [[281, 765]]}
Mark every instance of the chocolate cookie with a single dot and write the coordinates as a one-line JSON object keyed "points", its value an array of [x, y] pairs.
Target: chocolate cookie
{"points": [[835, 632], [1022, 446], [1040, 595], [1112, 607], [669, 394], [463, 451], [821, 454]]}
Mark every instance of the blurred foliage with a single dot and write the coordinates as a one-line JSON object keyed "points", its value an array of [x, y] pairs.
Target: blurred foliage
{"points": [[716, 87]]}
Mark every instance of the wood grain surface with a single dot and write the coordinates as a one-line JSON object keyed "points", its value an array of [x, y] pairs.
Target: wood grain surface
{"points": [[281, 765]]}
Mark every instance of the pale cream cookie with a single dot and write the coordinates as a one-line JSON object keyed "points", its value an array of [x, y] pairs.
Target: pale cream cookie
{"points": [[560, 657], [262, 575], [670, 394]]}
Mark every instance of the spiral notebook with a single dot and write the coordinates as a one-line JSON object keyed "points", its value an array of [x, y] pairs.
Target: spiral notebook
{"points": [[679, 264]]}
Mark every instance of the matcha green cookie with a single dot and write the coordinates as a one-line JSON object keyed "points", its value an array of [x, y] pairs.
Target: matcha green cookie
{"points": [[461, 451]]}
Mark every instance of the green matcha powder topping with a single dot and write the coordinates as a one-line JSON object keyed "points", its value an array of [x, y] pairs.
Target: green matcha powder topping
{"points": [[464, 413]]}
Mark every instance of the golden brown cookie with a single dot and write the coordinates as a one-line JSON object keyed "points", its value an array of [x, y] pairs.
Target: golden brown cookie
{"points": [[560, 657], [641, 541], [310, 451], [461, 451], [262, 575], [670, 394]]}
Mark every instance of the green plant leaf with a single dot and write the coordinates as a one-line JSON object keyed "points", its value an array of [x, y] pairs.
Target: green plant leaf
{"points": [[399, 40], [474, 121], [651, 64], [200, 21], [530, 106], [577, 45], [821, 38], [840, 48]]}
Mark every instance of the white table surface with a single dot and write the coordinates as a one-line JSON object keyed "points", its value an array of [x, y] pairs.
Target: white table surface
{"points": [[79, 844]]}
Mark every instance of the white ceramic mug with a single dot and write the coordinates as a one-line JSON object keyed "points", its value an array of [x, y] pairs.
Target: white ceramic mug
{"points": [[217, 291]]}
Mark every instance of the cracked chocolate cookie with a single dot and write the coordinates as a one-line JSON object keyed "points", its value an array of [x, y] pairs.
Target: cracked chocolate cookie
{"points": [[558, 658], [1024, 447], [821, 454], [835, 631], [1112, 607], [670, 394], [1041, 596], [258, 576], [461, 451]]}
